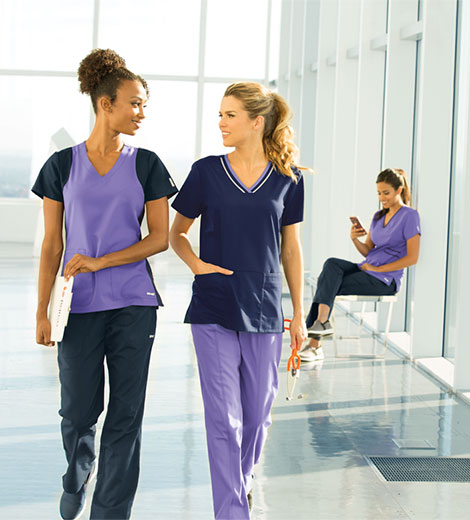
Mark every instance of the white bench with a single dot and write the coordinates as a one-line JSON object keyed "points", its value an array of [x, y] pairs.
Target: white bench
{"points": [[364, 300]]}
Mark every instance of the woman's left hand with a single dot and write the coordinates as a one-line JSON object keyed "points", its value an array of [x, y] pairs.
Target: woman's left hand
{"points": [[369, 267], [298, 332], [82, 264]]}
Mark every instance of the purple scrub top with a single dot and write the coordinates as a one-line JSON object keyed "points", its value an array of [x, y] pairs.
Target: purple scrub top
{"points": [[390, 242], [103, 214], [241, 231]]}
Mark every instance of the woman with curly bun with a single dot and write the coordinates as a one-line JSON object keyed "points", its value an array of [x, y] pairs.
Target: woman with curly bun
{"points": [[251, 205], [102, 187]]}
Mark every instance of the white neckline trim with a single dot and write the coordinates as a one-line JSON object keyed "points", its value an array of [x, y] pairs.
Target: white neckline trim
{"points": [[265, 179], [239, 187], [229, 176]]}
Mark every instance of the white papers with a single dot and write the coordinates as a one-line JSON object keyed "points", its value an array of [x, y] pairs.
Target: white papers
{"points": [[59, 307]]}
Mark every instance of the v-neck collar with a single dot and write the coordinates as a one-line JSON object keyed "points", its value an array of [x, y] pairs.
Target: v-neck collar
{"points": [[236, 180], [385, 225], [113, 168]]}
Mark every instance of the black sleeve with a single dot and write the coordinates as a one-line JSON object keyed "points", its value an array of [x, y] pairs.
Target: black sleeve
{"points": [[154, 177], [54, 175]]}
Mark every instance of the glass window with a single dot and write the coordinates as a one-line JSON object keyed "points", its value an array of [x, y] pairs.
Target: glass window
{"points": [[46, 34], [211, 136], [169, 128], [35, 109], [153, 36], [38, 107], [275, 41], [236, 39]]}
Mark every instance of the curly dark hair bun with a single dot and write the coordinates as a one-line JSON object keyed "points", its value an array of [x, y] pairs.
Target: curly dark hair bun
{"points": [[101, 74], [99, 64]]}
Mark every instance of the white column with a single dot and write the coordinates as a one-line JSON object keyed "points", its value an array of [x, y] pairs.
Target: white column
{"points": [[344, 136], [284, 57], [306, 139], [296, 64], [324, 131], [462, 176], [432, 173], [369, 114], [399, 106]]}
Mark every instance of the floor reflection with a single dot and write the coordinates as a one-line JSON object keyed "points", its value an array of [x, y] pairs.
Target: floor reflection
{"points": [[314, 463]]}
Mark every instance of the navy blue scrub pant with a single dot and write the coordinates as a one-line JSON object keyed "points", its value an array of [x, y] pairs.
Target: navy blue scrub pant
{"points": [[343, 277], [123, 337]]}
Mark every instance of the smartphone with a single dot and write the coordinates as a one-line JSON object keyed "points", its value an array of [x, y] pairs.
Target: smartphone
{"points": [[357, 223]]}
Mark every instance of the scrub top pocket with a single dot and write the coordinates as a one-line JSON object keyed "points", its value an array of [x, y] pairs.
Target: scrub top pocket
{"points": [[245, 301], [129, 280], [83, 283], [210, 293], [271, 316]]}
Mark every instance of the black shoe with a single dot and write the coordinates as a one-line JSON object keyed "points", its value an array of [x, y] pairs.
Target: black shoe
{"points": [[250, 500], [314, 336], [72, 505], [320, 329]]}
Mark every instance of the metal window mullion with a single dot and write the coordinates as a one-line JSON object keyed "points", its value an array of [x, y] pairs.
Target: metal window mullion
{"points": [[94, 45], [96, 23], [200, 84], [268, 42], [148, 77], [43, 73]]}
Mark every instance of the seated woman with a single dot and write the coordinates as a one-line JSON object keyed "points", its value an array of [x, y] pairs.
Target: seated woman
{"points": [[391, 245]]}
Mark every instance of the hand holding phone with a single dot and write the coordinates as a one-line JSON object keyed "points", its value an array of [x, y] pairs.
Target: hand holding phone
{"points": [[358, 229], [356, 222]]}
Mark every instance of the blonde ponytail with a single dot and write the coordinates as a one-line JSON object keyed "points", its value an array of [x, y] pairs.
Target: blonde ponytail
{"points": [[278, 136]]}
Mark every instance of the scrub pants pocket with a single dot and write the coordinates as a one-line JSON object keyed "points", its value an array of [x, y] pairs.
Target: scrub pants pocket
{"points": [[76, 335]]}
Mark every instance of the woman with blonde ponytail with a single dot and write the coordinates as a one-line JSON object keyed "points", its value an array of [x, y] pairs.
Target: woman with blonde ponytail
{"points": [[391, 245], [251, 205]]}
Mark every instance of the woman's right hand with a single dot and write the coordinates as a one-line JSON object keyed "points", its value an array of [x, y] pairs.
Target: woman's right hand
{"points": [[43, 332], [357, 232], [206, 268]]}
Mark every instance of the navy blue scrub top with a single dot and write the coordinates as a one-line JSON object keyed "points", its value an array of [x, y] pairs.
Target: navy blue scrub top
{"points": [[241, 231]]}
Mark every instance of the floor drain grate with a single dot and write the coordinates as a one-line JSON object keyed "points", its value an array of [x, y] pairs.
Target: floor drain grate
{"points": [[423, 469]]}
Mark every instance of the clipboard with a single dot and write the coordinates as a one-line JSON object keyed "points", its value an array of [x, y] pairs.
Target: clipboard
{"points": [[59, 306]]}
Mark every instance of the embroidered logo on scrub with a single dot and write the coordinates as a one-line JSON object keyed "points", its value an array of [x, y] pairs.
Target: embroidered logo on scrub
{"points": [[150, 294]]}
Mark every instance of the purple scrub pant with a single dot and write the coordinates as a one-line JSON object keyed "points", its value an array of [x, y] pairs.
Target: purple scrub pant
{"points": [[238, 372]]}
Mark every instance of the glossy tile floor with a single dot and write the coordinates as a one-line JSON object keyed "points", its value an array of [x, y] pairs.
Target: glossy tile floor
{"points": [[313, 466]]}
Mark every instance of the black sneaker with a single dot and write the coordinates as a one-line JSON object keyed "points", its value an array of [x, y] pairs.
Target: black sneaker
{"points": [[313, 335], [72, 505], [320, 329]]}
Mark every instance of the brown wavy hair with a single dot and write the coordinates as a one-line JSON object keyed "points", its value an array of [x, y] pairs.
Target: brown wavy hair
{"points": [[102, 72], [396, 178], [278, 136]]}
